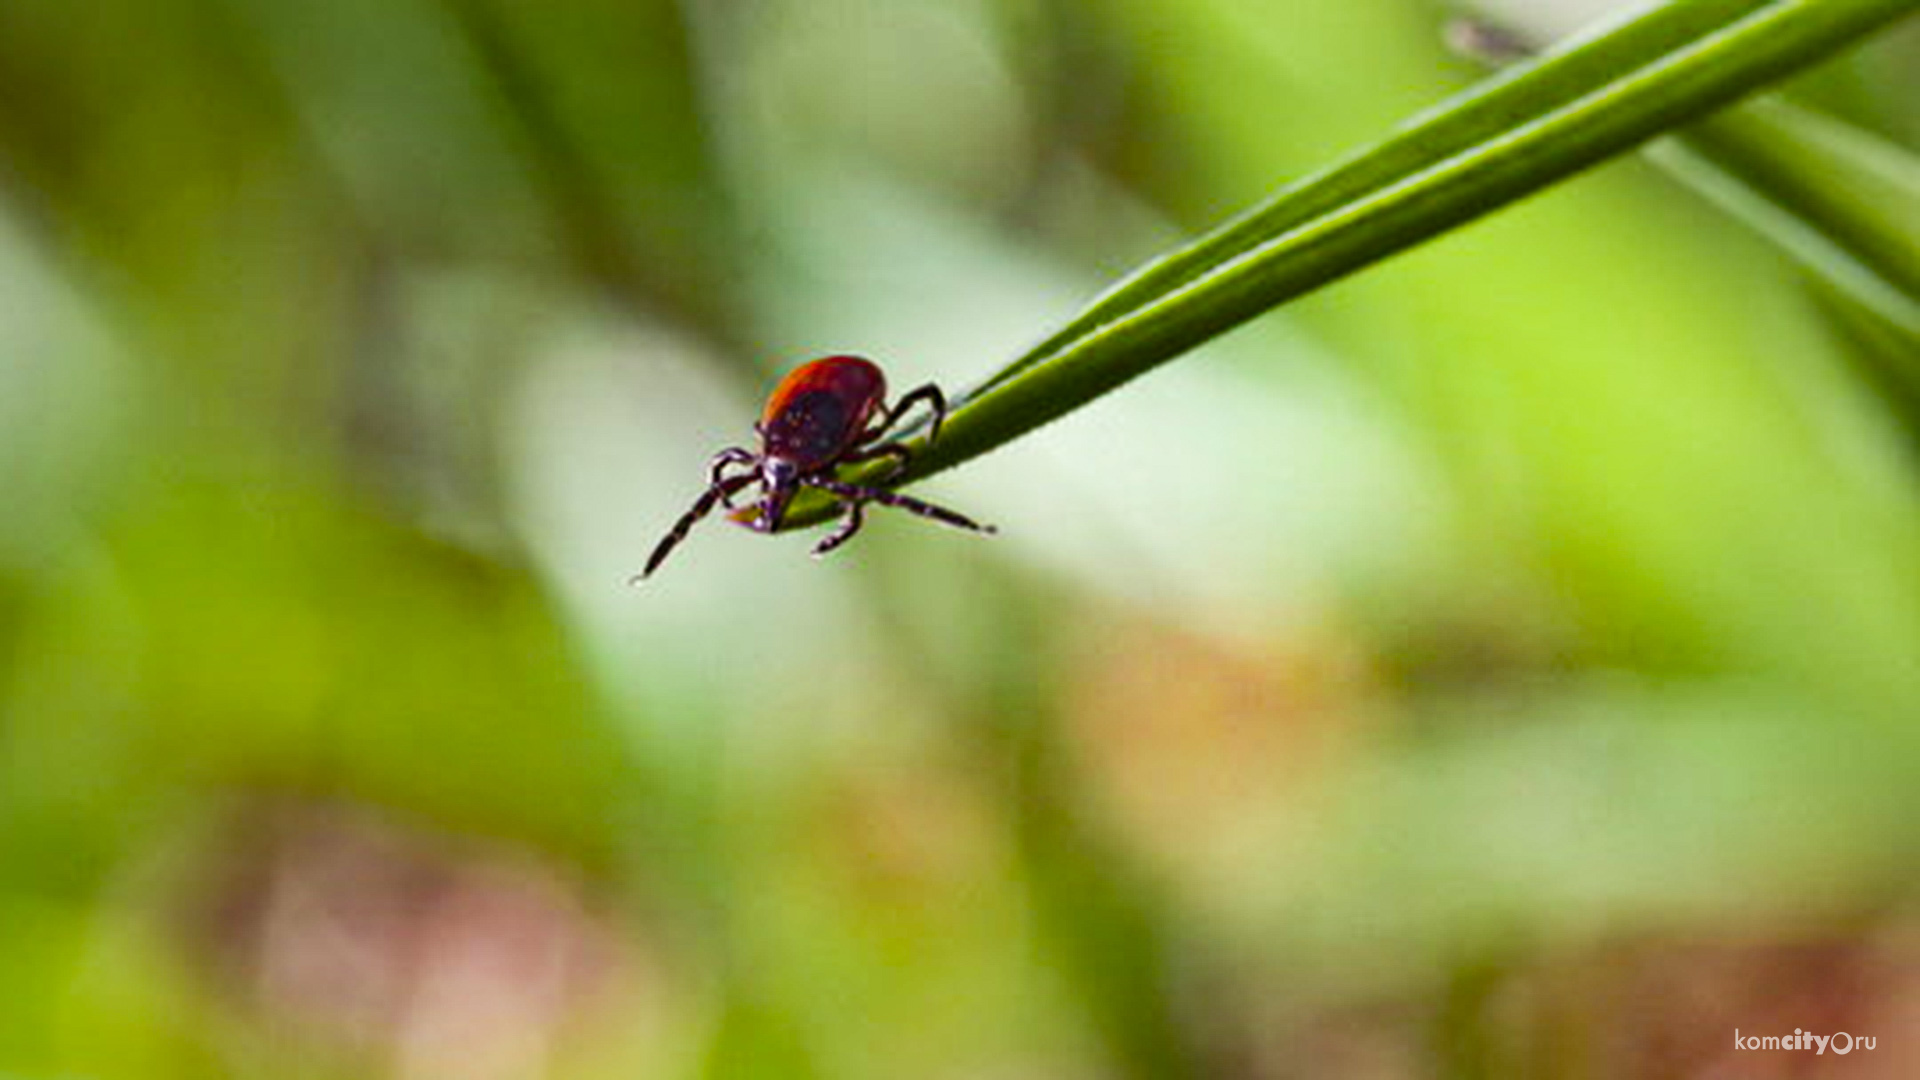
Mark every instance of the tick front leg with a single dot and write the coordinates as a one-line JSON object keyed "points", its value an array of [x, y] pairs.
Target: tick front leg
{"points": [[715, 494], [850, 524], [717, 470]]}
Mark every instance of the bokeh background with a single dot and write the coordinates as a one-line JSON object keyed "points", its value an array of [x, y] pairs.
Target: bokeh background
{"points": [[1503, 663]]}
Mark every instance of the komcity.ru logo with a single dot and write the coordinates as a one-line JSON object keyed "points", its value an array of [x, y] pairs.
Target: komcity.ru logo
{"points": [[1839, 1042]]}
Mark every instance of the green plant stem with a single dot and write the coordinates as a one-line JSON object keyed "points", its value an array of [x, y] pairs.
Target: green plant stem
{"points": [[1525, 129], [1840, 200]]}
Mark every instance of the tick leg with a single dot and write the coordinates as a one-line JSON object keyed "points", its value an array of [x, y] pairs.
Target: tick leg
{"points": [[715, 494], [856, 516], [897, 451], [930, 394], [717, 469], [856, 494]]}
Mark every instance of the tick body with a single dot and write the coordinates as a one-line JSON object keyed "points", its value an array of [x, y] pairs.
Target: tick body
{"points": [[820, 411], [826, 413]]}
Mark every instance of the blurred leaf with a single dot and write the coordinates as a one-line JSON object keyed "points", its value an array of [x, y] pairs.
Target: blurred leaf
{"points": [[1520, 132], [753, 1040], [604, 106], [294, 643], [1842, 201], [1592, 806]]}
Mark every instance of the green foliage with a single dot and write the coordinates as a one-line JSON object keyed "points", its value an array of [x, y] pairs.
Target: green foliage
{"points": [[1368, 695]]}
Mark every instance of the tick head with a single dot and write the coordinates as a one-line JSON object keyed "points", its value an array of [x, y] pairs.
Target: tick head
{"points": [[779, 481]]}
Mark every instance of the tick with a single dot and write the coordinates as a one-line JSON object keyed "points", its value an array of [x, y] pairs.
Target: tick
{"points": [[826, 413]]}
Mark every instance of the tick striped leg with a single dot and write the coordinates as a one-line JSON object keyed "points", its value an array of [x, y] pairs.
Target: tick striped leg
{"points": [[856, 516], [715, 494], [856, 494]]}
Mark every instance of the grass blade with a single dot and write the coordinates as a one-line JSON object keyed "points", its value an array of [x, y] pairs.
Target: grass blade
{"points": [[1519, 132], [1841, 201]]}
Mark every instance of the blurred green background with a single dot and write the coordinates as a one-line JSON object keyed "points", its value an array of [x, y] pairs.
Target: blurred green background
{"points": [[1503, 663]]}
